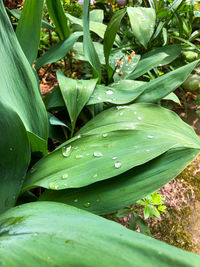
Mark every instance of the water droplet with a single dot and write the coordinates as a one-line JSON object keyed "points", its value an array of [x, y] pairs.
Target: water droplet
{"points": [[87, 204], [94, 176], [65, 176], [99, 98], [97, 154], [150, 136], [79, 136], [11, 148], [109, 92], [97, 200], [76, 200], [114, 158], [66, 151], [121, 113], [53, 186], [139, 118], [79, 156], [104, 134], [135, 112], [147, 150], [118, 165]]}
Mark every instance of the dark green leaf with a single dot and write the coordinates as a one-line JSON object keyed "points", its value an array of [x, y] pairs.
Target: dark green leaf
{"points": [[29, 28]]}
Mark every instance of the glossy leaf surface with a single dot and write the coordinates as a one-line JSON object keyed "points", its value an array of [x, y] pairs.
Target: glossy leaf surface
{"points": [[14, 155], [142, 22], [108, 196], [157, 89], [157, 57], [19, 86], [121, 92], [29, 28], [53, 234], [113, 142]]}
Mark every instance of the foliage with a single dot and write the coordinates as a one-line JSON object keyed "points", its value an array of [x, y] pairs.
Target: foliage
{"points": [[119, 144]]}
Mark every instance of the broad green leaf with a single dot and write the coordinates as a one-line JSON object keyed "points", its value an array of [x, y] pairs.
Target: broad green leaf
{"points": [[17, 13], [122, 92], [97, 15], [58, 17], [157, 89], [111, 143], [96, 27], [58, 51], [19, 86], [80, 55], [29, 28], [142, 22], [108, 196], [127, 64], [172, 97], [14, 155], [88, 46], [157, 57], [111, 32], [76, 94], [53, 234]]}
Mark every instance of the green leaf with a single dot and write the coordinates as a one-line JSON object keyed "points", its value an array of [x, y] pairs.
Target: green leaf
{"points": [[14, 155], [142, 22], [122, 92], [19, 86], [76, 94], [88, 46], [58, 51], [157, 57], [157, 89], [111, 32], [108, 196], [97, 15], [29, 28], [53, 234], [17, 13], [111, 144], [96, 27], [80, 55], [127, 65], [58, 17], [172, 97]]}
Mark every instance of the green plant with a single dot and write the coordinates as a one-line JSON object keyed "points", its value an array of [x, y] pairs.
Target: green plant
{"points": [[119, 156]]}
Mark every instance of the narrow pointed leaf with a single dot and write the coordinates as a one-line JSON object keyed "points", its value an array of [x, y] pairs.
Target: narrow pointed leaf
{"points": [[157, 57], [142, 22], [53, 234], [111, 32], [76, 94], [19, 86], [108, 196], [122, 92], [88, 46], [58, 51], [14, 156], [113, 142], [58, 17], [157, 89], [29, 28], [17, 13]]}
